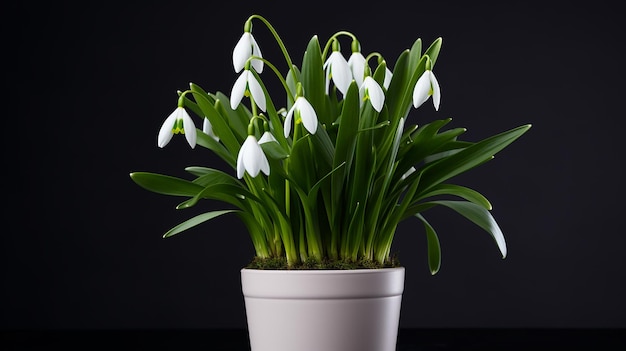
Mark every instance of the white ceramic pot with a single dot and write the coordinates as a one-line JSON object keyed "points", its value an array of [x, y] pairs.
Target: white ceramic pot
{"points": [[323, 310]]}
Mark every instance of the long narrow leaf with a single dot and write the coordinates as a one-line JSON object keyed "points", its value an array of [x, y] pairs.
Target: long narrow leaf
{"points": [[468, 158], [481, 217], [312, 79], [301, 165], [228, 193], [219, 123], [397, 86], [166, 185], [434, 248], [415, 54], [215, 146], [256, 234], [194, 221], [346, 136], [433, 51], [457, 190]]}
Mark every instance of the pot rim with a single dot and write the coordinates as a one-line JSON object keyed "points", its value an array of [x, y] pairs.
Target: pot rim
{"points": [[322, 271], [323, 284]]}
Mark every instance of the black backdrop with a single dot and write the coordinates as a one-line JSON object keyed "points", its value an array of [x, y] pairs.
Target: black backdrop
{"points": [[88, 86]]}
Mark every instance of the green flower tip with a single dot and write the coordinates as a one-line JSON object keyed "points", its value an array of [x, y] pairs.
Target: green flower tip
{"points": [[355, 46]]}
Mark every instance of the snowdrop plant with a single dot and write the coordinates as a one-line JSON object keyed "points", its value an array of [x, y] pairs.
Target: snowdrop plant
{"points": [[324, 170]]}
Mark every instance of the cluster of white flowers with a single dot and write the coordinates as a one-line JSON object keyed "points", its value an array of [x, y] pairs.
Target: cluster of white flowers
{"points": [[341, 72]]}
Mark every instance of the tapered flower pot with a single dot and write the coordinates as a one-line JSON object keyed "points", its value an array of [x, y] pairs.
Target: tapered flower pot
{"points": [[323, 310]]}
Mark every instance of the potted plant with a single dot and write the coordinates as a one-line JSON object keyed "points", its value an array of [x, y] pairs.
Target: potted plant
{"points": [[321, 174]]}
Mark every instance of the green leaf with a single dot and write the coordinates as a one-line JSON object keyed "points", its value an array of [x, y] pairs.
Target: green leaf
{"points": [[208, 176], [229, 193], [398, 86], [354, 234], [192, 222], [457, 190], [429, 130], [219, 123], [208, 142], [481, 217], [425, 142], [433, 51], [415, 54], [301, 164], [166, 185], [256, 234], [318, 184], [237, 119], [389, 172], [348, 126], [364, 159], [344, 147], [199, 171], [313, 81], [468, 158], [325, 146], [434, 249], [292, 78], [274, 150], [380, 73], [407, 97], [417, 208]]}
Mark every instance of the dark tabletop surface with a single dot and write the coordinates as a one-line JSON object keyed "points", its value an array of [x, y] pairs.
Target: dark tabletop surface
{"points": [[237, 340]]}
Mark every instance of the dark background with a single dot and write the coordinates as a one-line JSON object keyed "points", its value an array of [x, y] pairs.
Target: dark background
{"points": [[88, 86]]}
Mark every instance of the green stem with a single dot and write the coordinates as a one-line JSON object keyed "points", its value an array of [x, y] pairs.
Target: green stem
{"points": [[330, 40], [372, 54], [279, 41], [181, 97], [253, 105], [278, 74]]}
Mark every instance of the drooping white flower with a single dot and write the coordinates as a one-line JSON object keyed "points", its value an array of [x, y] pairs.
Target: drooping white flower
{"points": [[177, 122], [251, 158], [337, 70], [304, 111], [388, 76], [426, 86], [371, 91], [247, 82], [357, 65], [266, 138], [245, 48], [207, 128]]}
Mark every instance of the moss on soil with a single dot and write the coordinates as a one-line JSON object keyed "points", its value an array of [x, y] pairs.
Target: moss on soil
{"points": [[278, 263]]}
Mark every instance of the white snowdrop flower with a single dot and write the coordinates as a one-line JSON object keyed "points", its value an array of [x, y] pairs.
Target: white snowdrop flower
{"points": [[246, 82], [304, 111], [207, 128], [177, 122], [357, 65], [266, 138], [388, 76], [371, 91], [337, 70], [251, 158], [426, 86], [245, 48]]}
